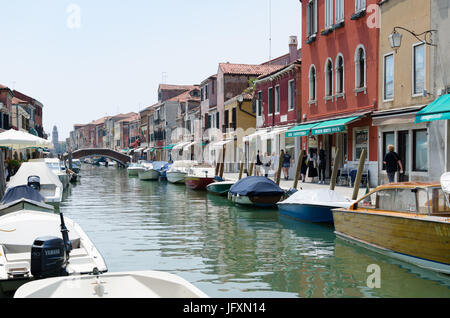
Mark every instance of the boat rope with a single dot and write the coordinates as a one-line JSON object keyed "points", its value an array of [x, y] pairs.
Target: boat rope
{"points": [[7, 231]]}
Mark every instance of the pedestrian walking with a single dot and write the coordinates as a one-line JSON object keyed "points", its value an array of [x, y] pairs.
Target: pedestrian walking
{"points": [[259, 164], [267, 164], [286, 165], [322, 166], [304, 167], [393, 163], [312, 165]]}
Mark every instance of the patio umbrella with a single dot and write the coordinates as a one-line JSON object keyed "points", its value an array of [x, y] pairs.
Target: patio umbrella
{"points": [[21, 140]]}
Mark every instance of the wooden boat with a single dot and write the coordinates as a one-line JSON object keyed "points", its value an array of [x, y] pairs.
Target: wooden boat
{"points": [[256, 191], [313, 205], [220, 188], [146, 284], [198, 178], [407, 221], [50, 187], [178, 171], [25, 230]]}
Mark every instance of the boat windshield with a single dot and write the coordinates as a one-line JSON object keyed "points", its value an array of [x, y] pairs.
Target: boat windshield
{"points": [[53, 166], [429, 201]]}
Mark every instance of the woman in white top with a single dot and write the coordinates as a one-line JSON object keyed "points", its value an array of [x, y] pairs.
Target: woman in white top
{"points": [[267, 164]]}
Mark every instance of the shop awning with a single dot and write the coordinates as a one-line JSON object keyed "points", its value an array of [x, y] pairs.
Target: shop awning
{"points": [[188, 146], [180, 145], [275, 132], [220, 144], [300, 131], [437, 110], [256, 134], [333, 126], [169, 147]]}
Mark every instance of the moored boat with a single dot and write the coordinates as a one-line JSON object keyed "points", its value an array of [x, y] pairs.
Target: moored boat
{"points": [[55, 165], [23, 198], [134, 169], [220, 188], [256, 191], [199, 177], [31, 248], [313, 205], [179, 170], [407, 221], [145, 284], [76, 165], [48, 184]]}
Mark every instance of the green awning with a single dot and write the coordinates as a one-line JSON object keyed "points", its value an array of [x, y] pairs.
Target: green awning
{"points": [[437, 110], [169, 147], [333, 126], [33, 131], [300, 131]]}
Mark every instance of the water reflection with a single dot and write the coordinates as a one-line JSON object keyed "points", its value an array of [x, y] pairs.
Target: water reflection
{"points": [[226, 250]]}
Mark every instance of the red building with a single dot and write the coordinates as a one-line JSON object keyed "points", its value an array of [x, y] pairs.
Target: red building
{"points": [[339, 81]]}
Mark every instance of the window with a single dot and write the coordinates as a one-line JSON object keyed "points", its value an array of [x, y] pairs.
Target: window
{"points": [[339, 11], [217, 121], [340, 75], [312, 83], [311, 14], [259, 104], [277, 99], [201, 94], [360, 61], [206, 92], [361, 142], [360, 5], [420, 150], [328, 13], [388, 80], [329, 78], [419, 69], [270, 99], [291, 94]]}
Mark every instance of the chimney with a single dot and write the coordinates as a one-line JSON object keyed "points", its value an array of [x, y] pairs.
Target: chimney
{"points": [[293, 43]]}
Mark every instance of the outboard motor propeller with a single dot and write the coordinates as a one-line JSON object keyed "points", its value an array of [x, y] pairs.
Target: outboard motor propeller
{"points": [[34, 182]]}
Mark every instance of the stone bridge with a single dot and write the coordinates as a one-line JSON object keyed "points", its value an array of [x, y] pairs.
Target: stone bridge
{"points": [[107, 153]]}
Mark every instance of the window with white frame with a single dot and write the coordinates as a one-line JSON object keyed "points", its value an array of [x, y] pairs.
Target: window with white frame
{"points": [[277, 99], [388, 77], [328, 13], [360, 5], [259, 104], [328, 78], [418, 69], [340, 75], [312, 83], [291, 95], [360, 67], [420, 150], [339, 11], [270, 100], [311, 14]]}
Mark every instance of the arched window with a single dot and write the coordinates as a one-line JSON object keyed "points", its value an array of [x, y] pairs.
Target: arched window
{"points": [[312, 83], [328, 78], [339, 74], [360, 66]]}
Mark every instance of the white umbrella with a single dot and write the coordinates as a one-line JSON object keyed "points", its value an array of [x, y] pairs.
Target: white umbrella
{"points": [[21, 140]]}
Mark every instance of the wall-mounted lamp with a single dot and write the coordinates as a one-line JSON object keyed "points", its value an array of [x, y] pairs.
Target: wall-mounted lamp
{"points": [[395, 38]]}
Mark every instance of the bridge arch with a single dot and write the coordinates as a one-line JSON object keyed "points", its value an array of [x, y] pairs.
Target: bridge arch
{"points": [[107, 153]]}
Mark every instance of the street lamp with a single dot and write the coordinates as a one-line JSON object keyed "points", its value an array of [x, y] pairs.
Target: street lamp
{"points": [[395, 38]]}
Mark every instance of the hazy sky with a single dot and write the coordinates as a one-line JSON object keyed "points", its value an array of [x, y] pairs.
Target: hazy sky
{"points": [[85, 59]]}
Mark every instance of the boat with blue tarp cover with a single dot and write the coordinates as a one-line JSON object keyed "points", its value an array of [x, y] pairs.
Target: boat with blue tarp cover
{"points": [[256, 191]]}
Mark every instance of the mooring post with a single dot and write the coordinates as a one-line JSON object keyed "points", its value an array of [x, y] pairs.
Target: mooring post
{"points": [[362, 161], [252, 165], [2, 174], [218, 163], [280, 167], [222, 165], [241, 170], [337, 162], [70, 160], [299, 168]]}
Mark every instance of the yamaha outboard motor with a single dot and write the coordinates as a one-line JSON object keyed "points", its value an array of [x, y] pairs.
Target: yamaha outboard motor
{"points": [[50, 255], [34, 182], [48, 258]]}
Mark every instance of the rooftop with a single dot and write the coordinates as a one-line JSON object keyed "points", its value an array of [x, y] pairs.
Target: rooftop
{"points": [[248, 69]]}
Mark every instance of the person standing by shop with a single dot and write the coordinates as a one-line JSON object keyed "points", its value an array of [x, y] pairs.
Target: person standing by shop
{"points": [[259, 164], [322, 166], [393, 163], [304, 167], [286, 165], [312, 165]]}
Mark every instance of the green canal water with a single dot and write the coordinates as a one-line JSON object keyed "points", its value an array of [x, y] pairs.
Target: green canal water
{"points": [[229, 251]]}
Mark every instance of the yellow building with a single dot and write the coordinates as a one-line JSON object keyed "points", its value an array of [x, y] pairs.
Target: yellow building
{"points": [[404, 86]]}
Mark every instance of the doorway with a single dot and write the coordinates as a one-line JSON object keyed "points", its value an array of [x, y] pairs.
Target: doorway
{"points": [[403, 151]]}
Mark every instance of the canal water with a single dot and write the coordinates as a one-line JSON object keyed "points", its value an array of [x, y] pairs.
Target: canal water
{"points": [[229, 251]]}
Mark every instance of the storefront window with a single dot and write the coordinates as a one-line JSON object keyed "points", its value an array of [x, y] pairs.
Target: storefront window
{"points": [[420, 150], [361, 142], [290, 146]]}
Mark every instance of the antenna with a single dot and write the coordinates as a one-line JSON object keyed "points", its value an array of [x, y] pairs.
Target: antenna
{"points": [[270, 30], [164, 77]]}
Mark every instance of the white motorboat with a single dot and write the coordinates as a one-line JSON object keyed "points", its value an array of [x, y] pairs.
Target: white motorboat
{"points": [[50, 186], [148, 174], [179, 171], [56, 167], [76, 165], [134, 168], [23, 198], [146, 284], [26, 231]]}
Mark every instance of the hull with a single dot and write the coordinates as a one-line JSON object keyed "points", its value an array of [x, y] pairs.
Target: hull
{"points": [[257, 201], [309, 213], [220, 188], [176, 177], [134, 172], [198, 183], [148, 175], [420, 240]]}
